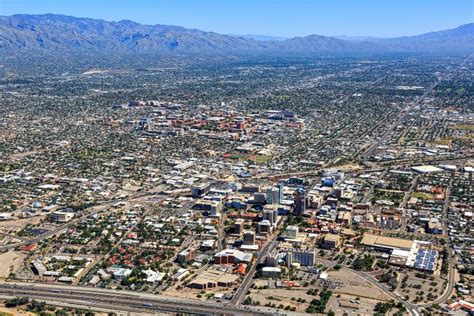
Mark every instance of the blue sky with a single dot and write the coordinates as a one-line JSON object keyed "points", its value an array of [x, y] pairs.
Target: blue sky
{"points": [[383, 18]]}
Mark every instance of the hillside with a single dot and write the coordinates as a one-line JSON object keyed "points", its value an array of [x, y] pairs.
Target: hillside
{"points": [[52, 32]]}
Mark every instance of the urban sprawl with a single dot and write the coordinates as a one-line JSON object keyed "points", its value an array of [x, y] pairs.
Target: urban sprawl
{"points": [[253, 187]]}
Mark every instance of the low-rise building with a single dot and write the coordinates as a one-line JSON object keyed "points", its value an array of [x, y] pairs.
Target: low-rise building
{"points": [[331, 241], [61, 216], [232, 256]]}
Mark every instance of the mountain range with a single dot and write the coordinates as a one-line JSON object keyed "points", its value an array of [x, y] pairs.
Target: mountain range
{"points": [[52, 32]]}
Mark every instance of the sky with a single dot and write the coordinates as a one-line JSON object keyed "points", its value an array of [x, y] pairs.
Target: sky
{"points": [[286, 18]]}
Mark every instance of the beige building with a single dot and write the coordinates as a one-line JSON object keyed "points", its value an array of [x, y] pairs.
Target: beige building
{"points": [[331, 241]]}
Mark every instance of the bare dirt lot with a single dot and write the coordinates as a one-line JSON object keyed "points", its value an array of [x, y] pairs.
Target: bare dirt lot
{"points": [[283, 296], [340, 305], [14, 311], [10, 261], [346, 286], [351, 284], [420, 287], [19, 223]]}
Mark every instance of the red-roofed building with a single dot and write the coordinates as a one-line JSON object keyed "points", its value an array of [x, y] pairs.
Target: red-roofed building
{"points": [[464, 305], [249, 215], [29, 247], [241, 269]]}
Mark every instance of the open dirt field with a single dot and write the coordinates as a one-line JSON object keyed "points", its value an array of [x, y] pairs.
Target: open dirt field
{"points": [[340, 305], [283, 296], [10, 261], [352, 284], [15, 312]]}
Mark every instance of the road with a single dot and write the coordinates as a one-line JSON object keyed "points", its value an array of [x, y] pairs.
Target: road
{"points": [[119, 300], [367, 153], [96, 209], [413, 309], [220, 231], [244, 287], [49, 233], [369, 193], [107, 255], [452, 268], [404, 203]]}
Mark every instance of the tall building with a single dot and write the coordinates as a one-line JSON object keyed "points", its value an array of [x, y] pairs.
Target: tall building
{"points": [[239, 226], [200, 190], [281, 190], [259, 198], [186, 255], [270, 215], [273, 195], [264, 227], [331, 241], [249, 238], [304, 258], [299, 201]]}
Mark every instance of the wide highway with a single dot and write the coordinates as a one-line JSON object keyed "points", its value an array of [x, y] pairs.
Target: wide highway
{"points": [[118, 300]]}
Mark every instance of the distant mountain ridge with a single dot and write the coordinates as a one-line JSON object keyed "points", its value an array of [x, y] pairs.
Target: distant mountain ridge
{"points": [[52, 32], [263, 38], [358, 38]]}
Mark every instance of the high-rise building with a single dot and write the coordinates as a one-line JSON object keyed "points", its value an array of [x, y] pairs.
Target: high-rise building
{"points": [[299, 201], [331, 241], [249, 238], [273, 195], [281, 190], [269, 215], [239, 226], [264, 227], [186, 255], [304, 258], [259, 198], [200, 190]]}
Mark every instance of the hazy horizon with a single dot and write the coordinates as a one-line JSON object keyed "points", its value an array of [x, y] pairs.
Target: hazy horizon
{"points": [[269, 18]]}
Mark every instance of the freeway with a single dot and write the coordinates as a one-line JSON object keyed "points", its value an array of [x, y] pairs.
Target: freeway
{"points": [[118, 300]]}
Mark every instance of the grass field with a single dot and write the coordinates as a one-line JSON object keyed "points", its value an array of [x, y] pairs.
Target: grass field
{"points": [[262, 158], [422, 195], [468, 127]]}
